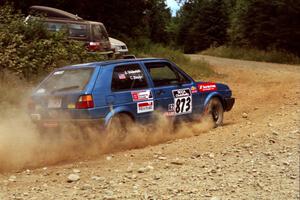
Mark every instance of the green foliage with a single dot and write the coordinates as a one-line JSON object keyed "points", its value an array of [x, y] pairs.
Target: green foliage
{"points": [[158, 17], [196, 69], [202, 23], [266, 25], [124, 19], [28, 50], [274, 56]]}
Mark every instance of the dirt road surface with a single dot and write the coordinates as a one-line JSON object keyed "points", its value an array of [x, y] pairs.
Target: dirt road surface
{"points": [[255, 155]]}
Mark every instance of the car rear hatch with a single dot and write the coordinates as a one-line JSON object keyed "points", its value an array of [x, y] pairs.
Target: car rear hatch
{"points": [[64, 95]]}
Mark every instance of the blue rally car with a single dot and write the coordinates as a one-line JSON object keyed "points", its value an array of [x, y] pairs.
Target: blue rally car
{"points": [[96, 93]]}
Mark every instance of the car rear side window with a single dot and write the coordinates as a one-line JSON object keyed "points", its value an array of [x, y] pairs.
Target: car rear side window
{"points": [[100, 34], [55, 26], [163, 74], [78, 30], [128, 77], [67, 80]]}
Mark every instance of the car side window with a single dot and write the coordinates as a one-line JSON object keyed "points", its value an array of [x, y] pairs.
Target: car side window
{"points": [[128, 77], [78, 30], [55, 26], [104, 32], [163, 74], [99, 33]]}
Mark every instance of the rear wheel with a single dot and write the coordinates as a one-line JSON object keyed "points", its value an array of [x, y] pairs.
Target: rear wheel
{"points": [[215, 111], [120, 125]]}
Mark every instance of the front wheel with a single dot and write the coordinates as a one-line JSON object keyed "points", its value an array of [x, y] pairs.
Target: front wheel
{"points": [[215, 111]]}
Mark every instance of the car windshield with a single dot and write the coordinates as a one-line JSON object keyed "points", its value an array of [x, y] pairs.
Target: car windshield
{"points": [[66, 80]]}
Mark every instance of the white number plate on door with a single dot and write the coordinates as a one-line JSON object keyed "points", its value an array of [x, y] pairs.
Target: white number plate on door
{"points": [[182, 101]]}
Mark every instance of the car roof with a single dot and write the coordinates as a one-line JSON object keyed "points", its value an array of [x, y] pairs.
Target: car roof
{"points": [[112, 62], [54, 12]]}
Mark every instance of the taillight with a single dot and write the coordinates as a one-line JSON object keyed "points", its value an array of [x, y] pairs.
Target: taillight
{"points": [[94, 46], [85, 102]]}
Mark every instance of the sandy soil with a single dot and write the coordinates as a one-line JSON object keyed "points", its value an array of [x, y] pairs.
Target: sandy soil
{"points": [[255, 155]]}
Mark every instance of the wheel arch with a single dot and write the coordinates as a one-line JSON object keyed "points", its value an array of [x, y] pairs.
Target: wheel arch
{"points": [[119, 110], [214, 95]]}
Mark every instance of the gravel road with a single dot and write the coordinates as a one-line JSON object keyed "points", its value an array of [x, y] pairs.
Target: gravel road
{"points": [[255, 155]]}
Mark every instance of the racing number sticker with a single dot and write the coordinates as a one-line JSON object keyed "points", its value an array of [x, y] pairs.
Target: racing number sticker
{"points": [[182, 101]]}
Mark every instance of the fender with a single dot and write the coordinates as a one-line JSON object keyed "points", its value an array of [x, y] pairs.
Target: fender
{"points": [[115, 111], [212, 95]]}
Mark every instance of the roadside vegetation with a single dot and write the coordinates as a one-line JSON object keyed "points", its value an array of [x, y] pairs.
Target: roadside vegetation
{"points": [[28, 51], [196, 69], [244, 53], [242, 29], [257, 30]]}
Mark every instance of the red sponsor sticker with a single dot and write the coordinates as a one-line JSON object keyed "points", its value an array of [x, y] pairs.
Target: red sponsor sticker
{"points": [[141, 95], [205, 87], [146, 106]]}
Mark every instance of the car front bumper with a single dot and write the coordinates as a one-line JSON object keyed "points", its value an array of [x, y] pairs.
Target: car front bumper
{"points": [[228, 103]]}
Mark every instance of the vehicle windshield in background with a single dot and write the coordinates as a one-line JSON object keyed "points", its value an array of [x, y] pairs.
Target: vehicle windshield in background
{"points": [[66, 80]]}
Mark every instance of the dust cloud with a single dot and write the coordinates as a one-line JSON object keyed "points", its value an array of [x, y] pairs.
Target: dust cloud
{"points": [[23, 147]]}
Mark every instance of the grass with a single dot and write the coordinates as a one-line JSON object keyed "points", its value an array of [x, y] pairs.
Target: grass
{"points": [[273, 56], [196, 69]]}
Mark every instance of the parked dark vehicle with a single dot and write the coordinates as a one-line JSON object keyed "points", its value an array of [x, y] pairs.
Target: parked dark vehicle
{"points": [[93, 34]]}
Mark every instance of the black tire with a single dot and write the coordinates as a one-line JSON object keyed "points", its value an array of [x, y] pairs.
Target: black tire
{"points": [[120, 125], [215, 111]]}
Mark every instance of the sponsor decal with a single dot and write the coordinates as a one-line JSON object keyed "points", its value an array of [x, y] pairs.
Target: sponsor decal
{"points": [[205, 87], [138, 71], [145, 106], [170, 111], [171, 107], [194, 89], [134, 74], [122, 76], [141, 95], [136, 77], [182, 101], [181, 93]]}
